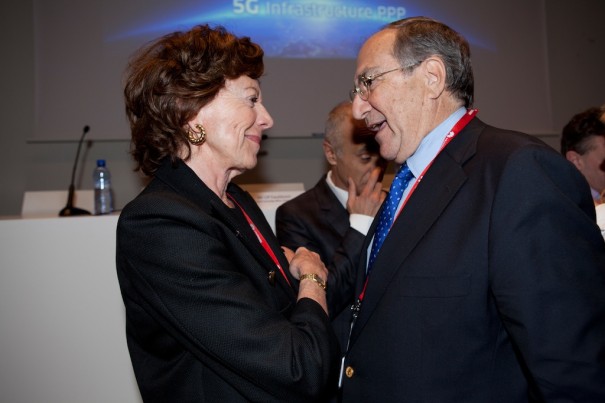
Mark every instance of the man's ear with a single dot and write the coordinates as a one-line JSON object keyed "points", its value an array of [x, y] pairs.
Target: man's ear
{"points": [[329, 153], [435, 76]]}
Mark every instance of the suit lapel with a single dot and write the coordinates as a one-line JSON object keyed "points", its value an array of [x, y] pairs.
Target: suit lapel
{"points": [[336, 216], [432, 196]]}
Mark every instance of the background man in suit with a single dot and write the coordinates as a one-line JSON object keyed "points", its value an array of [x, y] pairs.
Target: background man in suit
{"points": [[583, 143], [490, 284], [340, 208]]}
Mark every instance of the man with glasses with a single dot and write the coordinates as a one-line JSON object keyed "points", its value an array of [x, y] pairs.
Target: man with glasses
{"points": [[482, 278]]}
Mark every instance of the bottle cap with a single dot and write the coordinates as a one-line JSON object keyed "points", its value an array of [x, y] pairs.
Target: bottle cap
{"points": [[100, 163]]}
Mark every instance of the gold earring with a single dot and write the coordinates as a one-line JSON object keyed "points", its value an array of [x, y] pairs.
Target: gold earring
{"points": [[196, 137]]}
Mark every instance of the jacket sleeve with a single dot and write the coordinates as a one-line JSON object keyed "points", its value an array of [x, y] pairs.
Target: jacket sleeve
{"points": [[292, 232], [344, 268], [547, 274]]}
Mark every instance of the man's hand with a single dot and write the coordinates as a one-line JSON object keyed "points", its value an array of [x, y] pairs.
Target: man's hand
{"points": [[369, 199]]}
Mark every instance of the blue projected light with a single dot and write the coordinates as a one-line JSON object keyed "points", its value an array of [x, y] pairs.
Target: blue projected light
{"points": [[287, 29], [82, 51]]}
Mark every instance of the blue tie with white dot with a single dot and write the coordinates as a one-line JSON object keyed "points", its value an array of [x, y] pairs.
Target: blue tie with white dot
{"points": [[387, 214]]}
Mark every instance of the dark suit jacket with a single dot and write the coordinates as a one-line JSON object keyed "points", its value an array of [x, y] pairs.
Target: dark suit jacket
{"points": [[204, 322], [318, 221], [490, 286]]}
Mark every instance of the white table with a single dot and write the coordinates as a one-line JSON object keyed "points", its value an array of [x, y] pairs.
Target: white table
{"points": [[62, 327]]}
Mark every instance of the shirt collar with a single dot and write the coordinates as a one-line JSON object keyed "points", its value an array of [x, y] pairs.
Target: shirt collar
{"points": [[596, 196], [431, 144], [341, 194]]}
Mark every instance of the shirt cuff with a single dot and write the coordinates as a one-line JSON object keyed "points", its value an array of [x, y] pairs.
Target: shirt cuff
{"points": [[361, 222]]}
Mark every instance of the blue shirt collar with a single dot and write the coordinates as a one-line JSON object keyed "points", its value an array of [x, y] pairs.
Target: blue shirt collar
{"points": [[431, 144]]}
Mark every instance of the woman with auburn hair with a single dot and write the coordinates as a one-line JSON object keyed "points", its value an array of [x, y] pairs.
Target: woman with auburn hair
{"points": [[215, 311]]}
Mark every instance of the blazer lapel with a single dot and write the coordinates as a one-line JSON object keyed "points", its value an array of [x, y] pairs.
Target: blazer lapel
{"points": [[251, 241], [184, 181], [431, 197]]}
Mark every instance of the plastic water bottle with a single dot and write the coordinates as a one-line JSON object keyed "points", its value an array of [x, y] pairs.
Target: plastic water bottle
{"points": [[103, 195]]}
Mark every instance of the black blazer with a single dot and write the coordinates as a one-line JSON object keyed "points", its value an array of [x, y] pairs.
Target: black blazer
{"points": [[318, 221], [490, 286], [315, 220], [208, 319]]}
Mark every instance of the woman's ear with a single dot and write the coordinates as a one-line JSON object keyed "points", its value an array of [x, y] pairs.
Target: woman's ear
{"points": [[435, 76]]}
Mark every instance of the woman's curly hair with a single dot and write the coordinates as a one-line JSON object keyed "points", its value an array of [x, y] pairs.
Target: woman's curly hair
{"points": [[172, 78]]}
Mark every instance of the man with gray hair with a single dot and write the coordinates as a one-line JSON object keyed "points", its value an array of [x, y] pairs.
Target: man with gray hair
{"points": [[482, 278]]}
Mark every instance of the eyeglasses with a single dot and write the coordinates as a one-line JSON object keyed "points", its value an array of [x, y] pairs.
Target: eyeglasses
{"points": [[365, 82]]}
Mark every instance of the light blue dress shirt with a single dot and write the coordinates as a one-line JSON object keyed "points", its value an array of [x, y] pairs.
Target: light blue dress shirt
{"points": [[425, 153]]}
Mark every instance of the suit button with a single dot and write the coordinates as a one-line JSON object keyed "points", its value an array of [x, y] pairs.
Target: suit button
{"points": [[271, 277], [349, 372]]}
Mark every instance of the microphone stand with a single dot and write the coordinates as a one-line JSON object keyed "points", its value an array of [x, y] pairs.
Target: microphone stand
{"points": [[69, 209]]}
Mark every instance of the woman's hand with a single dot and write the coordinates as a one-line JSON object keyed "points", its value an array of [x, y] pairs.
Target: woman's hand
{"points": [[306, 262]]}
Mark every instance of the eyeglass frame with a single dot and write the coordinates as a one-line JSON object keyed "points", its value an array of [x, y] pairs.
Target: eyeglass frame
{"points": [[366, 81]]}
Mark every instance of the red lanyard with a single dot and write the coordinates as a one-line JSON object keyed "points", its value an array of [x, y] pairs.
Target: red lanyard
{"points": [[262, 240], [468, 116]]}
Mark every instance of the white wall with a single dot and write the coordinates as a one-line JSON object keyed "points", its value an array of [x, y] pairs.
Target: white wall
{"points": [[576, 51]]}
